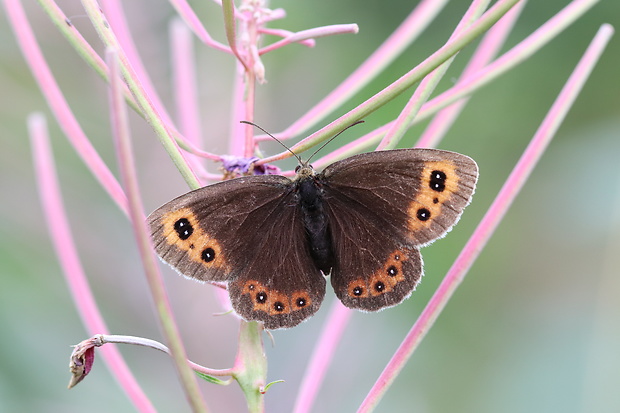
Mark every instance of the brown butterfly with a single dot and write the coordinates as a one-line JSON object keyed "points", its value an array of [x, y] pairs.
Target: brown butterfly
{"points": [[361, 221]]}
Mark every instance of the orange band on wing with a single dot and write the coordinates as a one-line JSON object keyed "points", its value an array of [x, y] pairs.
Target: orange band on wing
{"points": [[181, 229]]}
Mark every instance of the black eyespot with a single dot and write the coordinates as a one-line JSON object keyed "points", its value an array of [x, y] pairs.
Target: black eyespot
{"points": [[278, 306], [358, 291], [261, 297], [392, 271], [183, 228], [379, 286], [208, 254], [301, 302], [251, 287], [423, 214], [438, 181]]}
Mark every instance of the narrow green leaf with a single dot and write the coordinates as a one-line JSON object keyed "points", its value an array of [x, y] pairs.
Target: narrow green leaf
{"points": [[269, 385], [212, 379]]}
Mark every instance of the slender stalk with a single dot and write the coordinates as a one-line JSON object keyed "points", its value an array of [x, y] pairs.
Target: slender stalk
{"points": [[322, 356], [185, 85], [309, 35], [101, 339], [120, 128], [188, 15], [228, 7], [251, 365], [121, 34]]}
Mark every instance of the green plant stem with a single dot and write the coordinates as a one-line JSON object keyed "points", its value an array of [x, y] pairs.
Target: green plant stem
{"points": [[120, 127], [251, 365], [152, 117]]}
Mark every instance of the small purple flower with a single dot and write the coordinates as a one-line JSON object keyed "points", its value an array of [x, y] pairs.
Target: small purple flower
{"points": [[238, 165]]}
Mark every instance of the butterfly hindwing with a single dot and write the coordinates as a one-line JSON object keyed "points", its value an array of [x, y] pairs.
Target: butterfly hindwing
{"points": [[241, 231], [281, 285], [382, 206], [373, 269]]}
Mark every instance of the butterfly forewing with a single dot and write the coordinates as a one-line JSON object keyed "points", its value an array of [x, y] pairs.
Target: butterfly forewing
{"points": [[382, 206]]}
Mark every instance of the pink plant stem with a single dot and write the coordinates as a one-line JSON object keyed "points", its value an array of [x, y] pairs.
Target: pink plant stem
{"points": [[489, 223], [77, 282], [186, 12], [236, 144], [115, 16], [185, 87], [310, 34], [284, 34], [249, 70], [99, 340], [249, 96], [58, 104], [120, 128], [322, 356]]}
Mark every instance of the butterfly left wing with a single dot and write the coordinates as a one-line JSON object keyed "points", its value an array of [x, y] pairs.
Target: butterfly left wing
{"points": [[246, 232], [382, 207]]}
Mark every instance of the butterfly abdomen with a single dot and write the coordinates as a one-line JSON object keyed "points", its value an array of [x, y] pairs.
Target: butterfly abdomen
{"points": [[312, 204]]}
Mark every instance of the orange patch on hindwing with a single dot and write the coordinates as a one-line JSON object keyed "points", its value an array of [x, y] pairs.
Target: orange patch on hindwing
{"points": [[181, 229], [381, 281], [438, 182], [275, 302]]}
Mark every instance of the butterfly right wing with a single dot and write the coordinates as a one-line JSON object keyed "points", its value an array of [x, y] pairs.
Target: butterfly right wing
{"points": [[247, 232], [382, 207]]}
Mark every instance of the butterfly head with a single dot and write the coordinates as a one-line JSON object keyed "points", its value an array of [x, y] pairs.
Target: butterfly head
{"points": [[304, 170]]}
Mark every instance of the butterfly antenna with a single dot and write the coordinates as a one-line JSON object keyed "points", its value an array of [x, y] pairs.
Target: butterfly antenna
{"points": [[288, 149], [334, 137], [274, 138]]}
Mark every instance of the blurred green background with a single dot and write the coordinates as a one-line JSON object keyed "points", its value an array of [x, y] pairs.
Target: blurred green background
{"points": [[533, 328]]}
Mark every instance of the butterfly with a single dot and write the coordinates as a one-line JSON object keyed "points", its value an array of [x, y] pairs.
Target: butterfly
{"points": [[274, 240]]}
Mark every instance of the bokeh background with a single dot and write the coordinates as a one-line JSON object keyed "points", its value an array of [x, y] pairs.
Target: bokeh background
{"points": [[534, 327]]}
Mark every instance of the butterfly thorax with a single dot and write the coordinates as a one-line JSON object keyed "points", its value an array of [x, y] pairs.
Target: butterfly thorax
{"points": [[312, 205]]}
